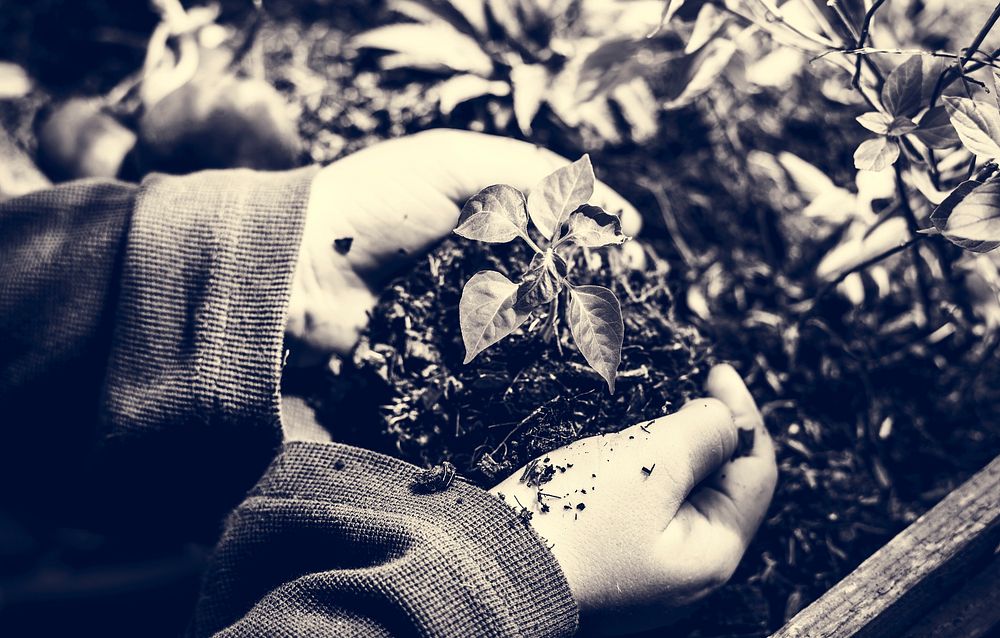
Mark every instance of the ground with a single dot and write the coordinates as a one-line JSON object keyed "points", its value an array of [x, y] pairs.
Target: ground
{"points": [[875, 417]]}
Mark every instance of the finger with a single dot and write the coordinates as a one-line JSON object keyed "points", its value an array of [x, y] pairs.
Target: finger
{"points": [[690, 445], [735, 499], [482, 160]]}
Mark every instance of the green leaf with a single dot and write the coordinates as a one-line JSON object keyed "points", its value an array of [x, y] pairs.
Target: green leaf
{"points": [[935, 129], [875, 122], [977, 216], [977, 125], [909, 86], [552, 200], [876, 154], [496, 214], [486, 311], [595, 321], [529, 82], [944, 210], [431, 47], [543, 281], [592, 227]]}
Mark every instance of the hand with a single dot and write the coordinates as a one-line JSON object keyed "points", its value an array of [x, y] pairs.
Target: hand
{"points": [[396, 200], [649, 542]]}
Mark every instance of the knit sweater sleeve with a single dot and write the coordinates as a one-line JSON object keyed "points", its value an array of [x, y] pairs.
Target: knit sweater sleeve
{"points": [[186, 282]]}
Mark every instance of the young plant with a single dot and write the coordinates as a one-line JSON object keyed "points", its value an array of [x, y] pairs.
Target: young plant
{"points": [[493, 306]]}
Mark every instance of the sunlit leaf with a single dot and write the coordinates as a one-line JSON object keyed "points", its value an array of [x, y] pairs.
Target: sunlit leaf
{"points": [[486, 311], [529, 82], [543, 281], [901, 125], [935, 129], [705, 68], [909, 86], [977, 215], [474, 12], [708, 23], [592, 227], [876, 154], [942, 214], [977, 125], [432, 47], [670, 8], [465, 87], [595, 321], [875, 122], [552, 200], [496, 214], [809, 180]]}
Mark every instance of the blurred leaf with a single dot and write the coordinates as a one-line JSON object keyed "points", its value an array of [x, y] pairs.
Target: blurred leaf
{"points": [[609, 64], [465, 87], [777, 68], [670, 8], [708, 23], [943, 213], [595, 321], [486, 311], [557, 195], [706, 66], [976, 217], [909, 86], [542, 282], [431, 47], [876, 154], [935, 129], [474, 12], [639, 108], [856, 249], [14, 81], [592, 227], [529, 82], [875, 122], [977, 125], [809, 180], [495, 214]]}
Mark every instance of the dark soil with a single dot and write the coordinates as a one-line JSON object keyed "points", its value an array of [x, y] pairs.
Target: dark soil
{"points": [[406, 391]]}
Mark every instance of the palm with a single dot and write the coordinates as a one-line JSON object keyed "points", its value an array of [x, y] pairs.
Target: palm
{"points": [[396, 200]]}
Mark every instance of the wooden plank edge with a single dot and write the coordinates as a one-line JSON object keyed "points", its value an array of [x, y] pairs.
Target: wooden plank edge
{"points": [[913, 572]]}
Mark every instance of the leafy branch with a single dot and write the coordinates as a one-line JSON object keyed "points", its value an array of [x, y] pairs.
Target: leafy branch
{"points": [[492, 306]]}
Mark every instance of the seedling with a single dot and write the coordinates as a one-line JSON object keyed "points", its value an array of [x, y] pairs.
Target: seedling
{"points": [[493, 306]]}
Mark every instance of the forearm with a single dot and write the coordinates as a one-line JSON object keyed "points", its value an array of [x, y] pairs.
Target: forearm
{"points": [[337, 541]]}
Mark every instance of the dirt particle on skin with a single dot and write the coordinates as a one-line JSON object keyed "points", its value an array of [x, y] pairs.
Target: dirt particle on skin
{"points": [[648, 470], [581, 506], [343, 245]]}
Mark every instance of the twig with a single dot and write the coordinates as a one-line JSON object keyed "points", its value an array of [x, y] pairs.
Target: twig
{"points": [[983, 32], [863, 51], [863, 37], [862, 266], [838, 9]]}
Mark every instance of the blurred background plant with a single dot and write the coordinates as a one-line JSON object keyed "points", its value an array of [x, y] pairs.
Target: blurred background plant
{"points": [[747, 131]]}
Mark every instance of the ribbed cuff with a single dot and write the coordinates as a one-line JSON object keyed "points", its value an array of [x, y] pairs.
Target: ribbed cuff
{"points": [[193, 385], [480, 570]]}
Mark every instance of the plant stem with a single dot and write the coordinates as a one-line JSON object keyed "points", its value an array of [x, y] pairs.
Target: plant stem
{"points": [[531, 243], [849, 26], [983, 32], [923, 281]]}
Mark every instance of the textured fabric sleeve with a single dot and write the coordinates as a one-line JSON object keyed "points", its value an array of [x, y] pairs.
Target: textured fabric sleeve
{"points": [[190, 414], [336, 541], [60, 255]]}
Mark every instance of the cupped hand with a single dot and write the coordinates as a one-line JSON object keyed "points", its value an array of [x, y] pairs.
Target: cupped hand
{"points": [[395, 200], [652, 518]]}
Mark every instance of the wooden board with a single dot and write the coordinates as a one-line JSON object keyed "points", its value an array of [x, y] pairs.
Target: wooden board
{"points": [[915, 572]]}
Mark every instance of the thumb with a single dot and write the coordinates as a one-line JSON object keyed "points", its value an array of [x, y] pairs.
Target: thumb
{"points": [[476, 160]]}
